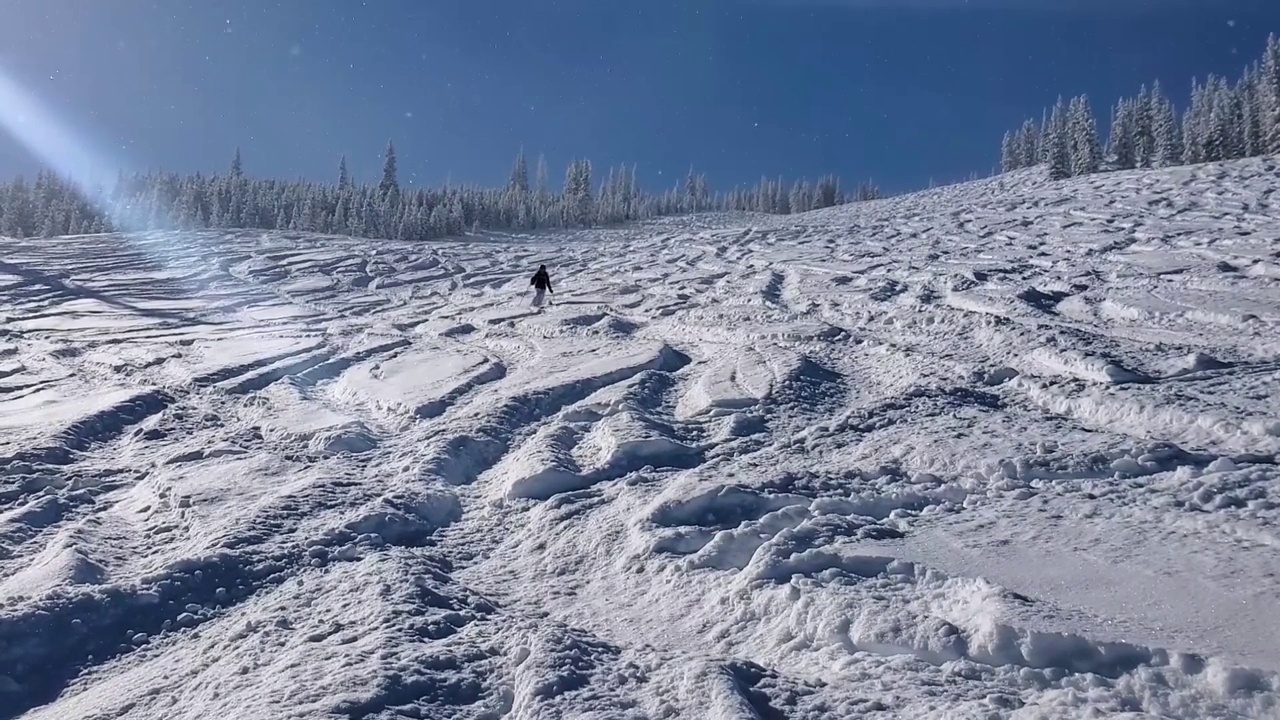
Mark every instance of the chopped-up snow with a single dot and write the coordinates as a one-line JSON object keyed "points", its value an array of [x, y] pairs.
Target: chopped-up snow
{"points": [[1000, 449]]}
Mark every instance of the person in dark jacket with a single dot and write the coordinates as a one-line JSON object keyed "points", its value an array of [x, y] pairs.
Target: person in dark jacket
{"points": [[541, 283]]}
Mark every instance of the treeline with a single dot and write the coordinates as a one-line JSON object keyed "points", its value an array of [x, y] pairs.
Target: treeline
{"points": [[1223, 121], [54, 206]]}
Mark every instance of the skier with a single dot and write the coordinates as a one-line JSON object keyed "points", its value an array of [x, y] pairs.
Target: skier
{"points": [[542, 284]]}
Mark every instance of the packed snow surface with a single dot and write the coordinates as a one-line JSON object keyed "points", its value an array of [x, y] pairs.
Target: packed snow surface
{"points": [[1002, 449]]}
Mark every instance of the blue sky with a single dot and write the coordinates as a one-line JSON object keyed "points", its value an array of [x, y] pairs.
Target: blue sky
{"points": [[901, 92]]}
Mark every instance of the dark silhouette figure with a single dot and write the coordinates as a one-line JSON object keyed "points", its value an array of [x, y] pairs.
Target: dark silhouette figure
{"points": [[541, 283]]}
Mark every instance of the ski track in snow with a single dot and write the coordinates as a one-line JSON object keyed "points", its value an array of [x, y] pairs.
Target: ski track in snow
{"points": [[1001, 449]]}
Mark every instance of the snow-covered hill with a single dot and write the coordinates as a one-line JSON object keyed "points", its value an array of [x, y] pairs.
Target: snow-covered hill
{"points": [[1003, 449]]}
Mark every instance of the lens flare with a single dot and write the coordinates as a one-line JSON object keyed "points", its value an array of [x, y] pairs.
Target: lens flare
{"points": [[65, 151], [33, 125]]}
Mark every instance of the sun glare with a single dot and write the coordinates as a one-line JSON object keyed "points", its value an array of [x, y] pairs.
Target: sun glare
{"points": [[31, 123]]}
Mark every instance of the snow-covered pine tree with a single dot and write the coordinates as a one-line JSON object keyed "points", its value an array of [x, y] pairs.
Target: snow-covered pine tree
{"points": [[309, 219], [1235, 98], [1195, 126], [580, 187], [1217, 120], [1143, 133], [607, 205], [456, 216], [1251, 125], [691, 203], [519, 181], [634, 197], [1269, 96], [1057, 143], [799, 199], [390, 184], [1028, 145], [237, 195], [1086, 150], [781, 198], [542, 178], [344, 177], [828, 192], [189, 214], [1042, 156], [372, 221], [578, 201], [1168, 147], [1121, 154], [1009, 157], [339, 222], [19, 215]]}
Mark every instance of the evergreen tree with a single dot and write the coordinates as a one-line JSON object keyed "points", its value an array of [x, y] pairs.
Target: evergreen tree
{"points": [[867, 191], [344, 177], [1010, 157], [1193, 131], [1168, 141], [1086, 151], [1121, 151], [828, 192], [579, 205], [1231, 116], [1042, 158], [1058, 144], [1028, 145], [1268, 92], [783, 199], [697, 192], [340, 211], [1250, 115], [234, 214], [1144, 143], [1215, 121], [543, 178], [801, 197], [690, 191], [390, 184], [519, 182]]}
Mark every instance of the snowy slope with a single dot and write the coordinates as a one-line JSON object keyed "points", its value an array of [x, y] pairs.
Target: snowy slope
{"points": [[1003, 449]]}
